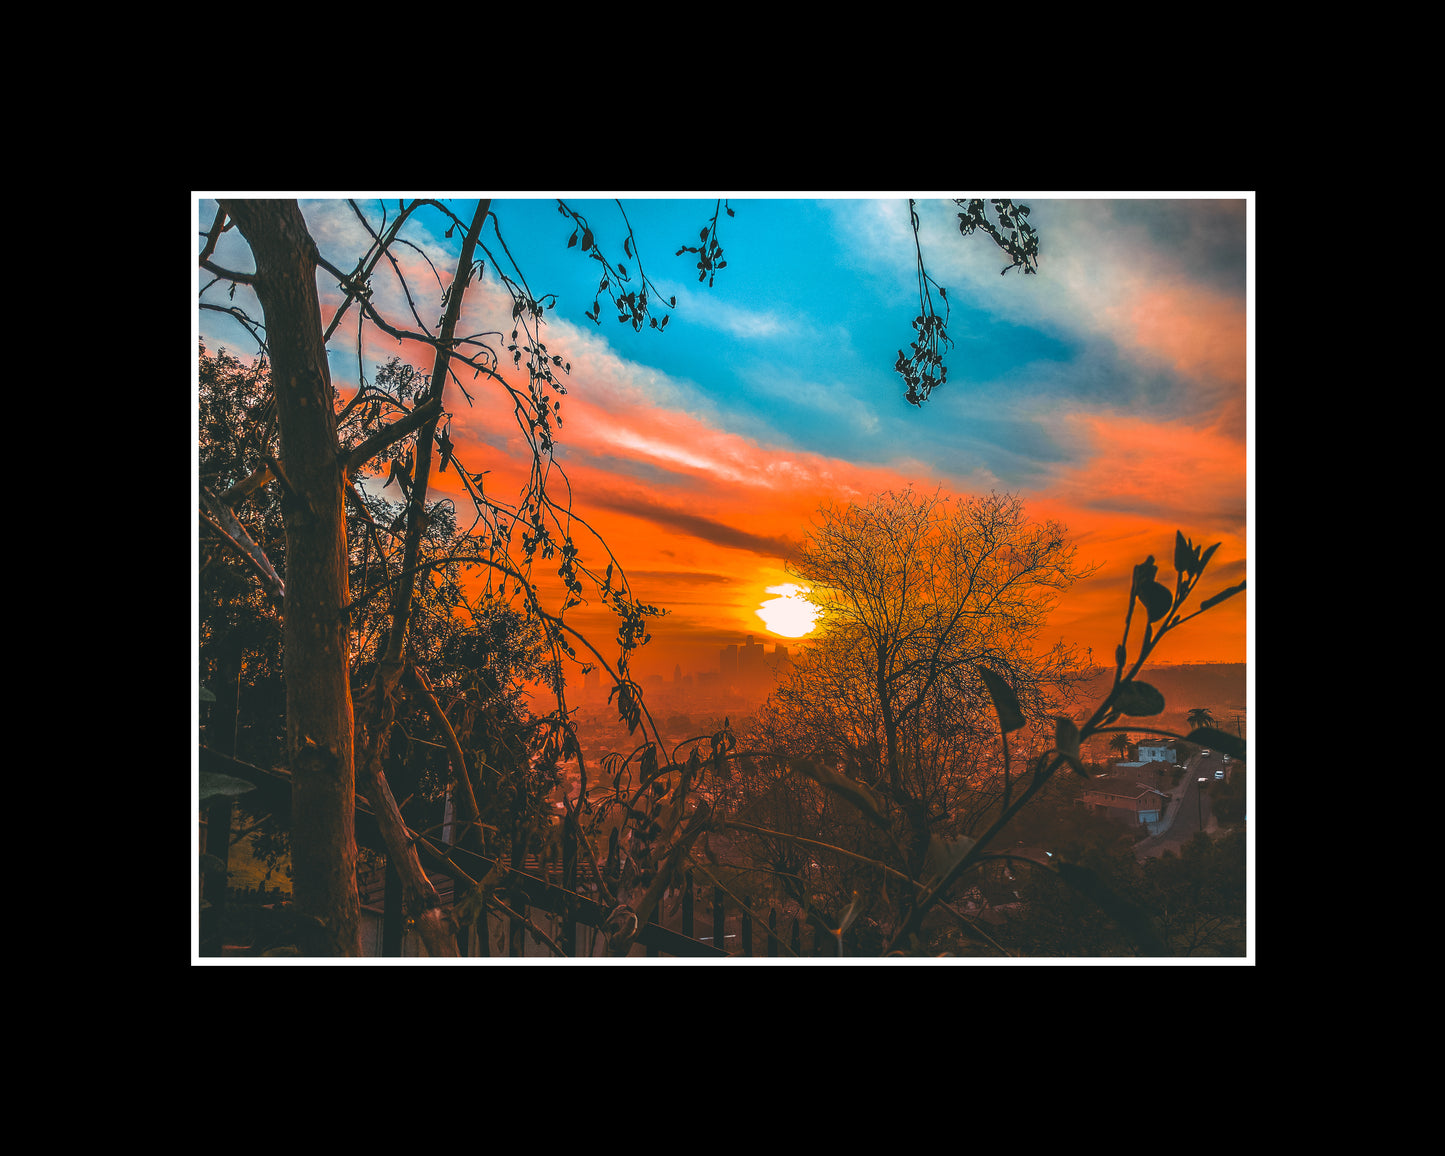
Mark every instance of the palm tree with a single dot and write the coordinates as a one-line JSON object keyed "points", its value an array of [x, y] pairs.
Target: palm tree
{"points": [[1120, 743], [1200, 716]]}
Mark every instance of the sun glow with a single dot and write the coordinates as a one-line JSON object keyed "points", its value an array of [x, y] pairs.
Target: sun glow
{"points": [[790, 614]]}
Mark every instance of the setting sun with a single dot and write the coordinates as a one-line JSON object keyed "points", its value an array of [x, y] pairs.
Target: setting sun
{"points": [[790, 614]]}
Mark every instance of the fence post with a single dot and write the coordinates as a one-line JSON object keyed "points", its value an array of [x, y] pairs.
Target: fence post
{"points": [[220, 736], [464, 931], [719, 920], [688, 898], [569, 884], [747, 932], [772, 931], [796, 939], [517, 938], [392, 925]]}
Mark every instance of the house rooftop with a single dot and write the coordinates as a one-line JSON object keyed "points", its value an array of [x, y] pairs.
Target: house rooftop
{"points": [[1125, 786]]}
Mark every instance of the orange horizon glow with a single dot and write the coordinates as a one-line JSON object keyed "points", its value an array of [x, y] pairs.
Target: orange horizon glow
{"points": [[710, 547], [703, 519]]}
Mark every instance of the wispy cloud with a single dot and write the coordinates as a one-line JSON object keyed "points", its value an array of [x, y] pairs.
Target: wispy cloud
{"points": [[1160, 278], [697, 526], [1182, 475], [744, 324]]}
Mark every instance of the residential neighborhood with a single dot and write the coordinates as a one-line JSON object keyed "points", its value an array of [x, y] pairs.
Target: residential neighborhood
{"points": [[1151, 789]]}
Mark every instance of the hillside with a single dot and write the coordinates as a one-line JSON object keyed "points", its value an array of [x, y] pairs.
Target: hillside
{"points": [[1218, 687]]}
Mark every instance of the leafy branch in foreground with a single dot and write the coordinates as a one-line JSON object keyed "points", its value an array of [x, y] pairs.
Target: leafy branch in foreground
{"points": [[923, 370], [1128, 696], [919, 886]]}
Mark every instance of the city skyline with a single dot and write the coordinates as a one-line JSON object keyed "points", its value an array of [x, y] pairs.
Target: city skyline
{"points": [[728, 676]]}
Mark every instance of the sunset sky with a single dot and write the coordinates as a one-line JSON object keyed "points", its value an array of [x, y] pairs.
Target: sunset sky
{"points": [[1110, 391]]}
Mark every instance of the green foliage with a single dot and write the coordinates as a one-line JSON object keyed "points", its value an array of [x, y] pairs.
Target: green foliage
{"points": [[215, 785]]}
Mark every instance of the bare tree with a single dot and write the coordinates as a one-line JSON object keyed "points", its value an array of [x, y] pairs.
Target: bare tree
{"points": [[918, 591]]}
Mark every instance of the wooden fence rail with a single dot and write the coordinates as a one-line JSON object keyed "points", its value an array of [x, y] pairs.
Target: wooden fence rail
{"points": [[526, 891]]}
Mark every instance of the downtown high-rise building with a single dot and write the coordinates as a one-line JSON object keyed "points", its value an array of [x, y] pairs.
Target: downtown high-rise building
{"points": [[751, 671], [728, 663]]}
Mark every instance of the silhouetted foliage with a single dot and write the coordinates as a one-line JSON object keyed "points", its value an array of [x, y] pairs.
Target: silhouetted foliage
{"points": [[1229, 797], [923, 369], [895, 848], [885, 773], [384, 579]]}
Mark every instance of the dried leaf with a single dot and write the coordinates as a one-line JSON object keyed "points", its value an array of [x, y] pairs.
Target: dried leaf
{"points": [[855, 793]]}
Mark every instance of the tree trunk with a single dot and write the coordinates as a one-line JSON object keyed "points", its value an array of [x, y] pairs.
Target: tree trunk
{"points": [[319, 740], [419, 896], [422, 904]]}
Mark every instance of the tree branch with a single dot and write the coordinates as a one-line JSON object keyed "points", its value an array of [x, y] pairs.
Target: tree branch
{"points": [[420, 898], [225, 523], [470, 812], [389, 435]]}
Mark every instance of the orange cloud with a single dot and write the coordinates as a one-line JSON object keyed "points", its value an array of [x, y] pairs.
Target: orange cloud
{"points": [[1200, 333], [701, 518], [1141, 483]]}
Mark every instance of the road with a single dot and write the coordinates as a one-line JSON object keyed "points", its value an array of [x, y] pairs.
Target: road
{"points": [[1188, 811]]}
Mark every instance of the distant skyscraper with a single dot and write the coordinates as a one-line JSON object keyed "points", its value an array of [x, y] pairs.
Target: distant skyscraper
{"points": [[728, 662], [677, 673], [779, 661], [752, 674]]}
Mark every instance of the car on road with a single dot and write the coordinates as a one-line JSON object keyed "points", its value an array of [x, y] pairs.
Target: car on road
{"points": [[1219, 774], [1206, 752]]}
